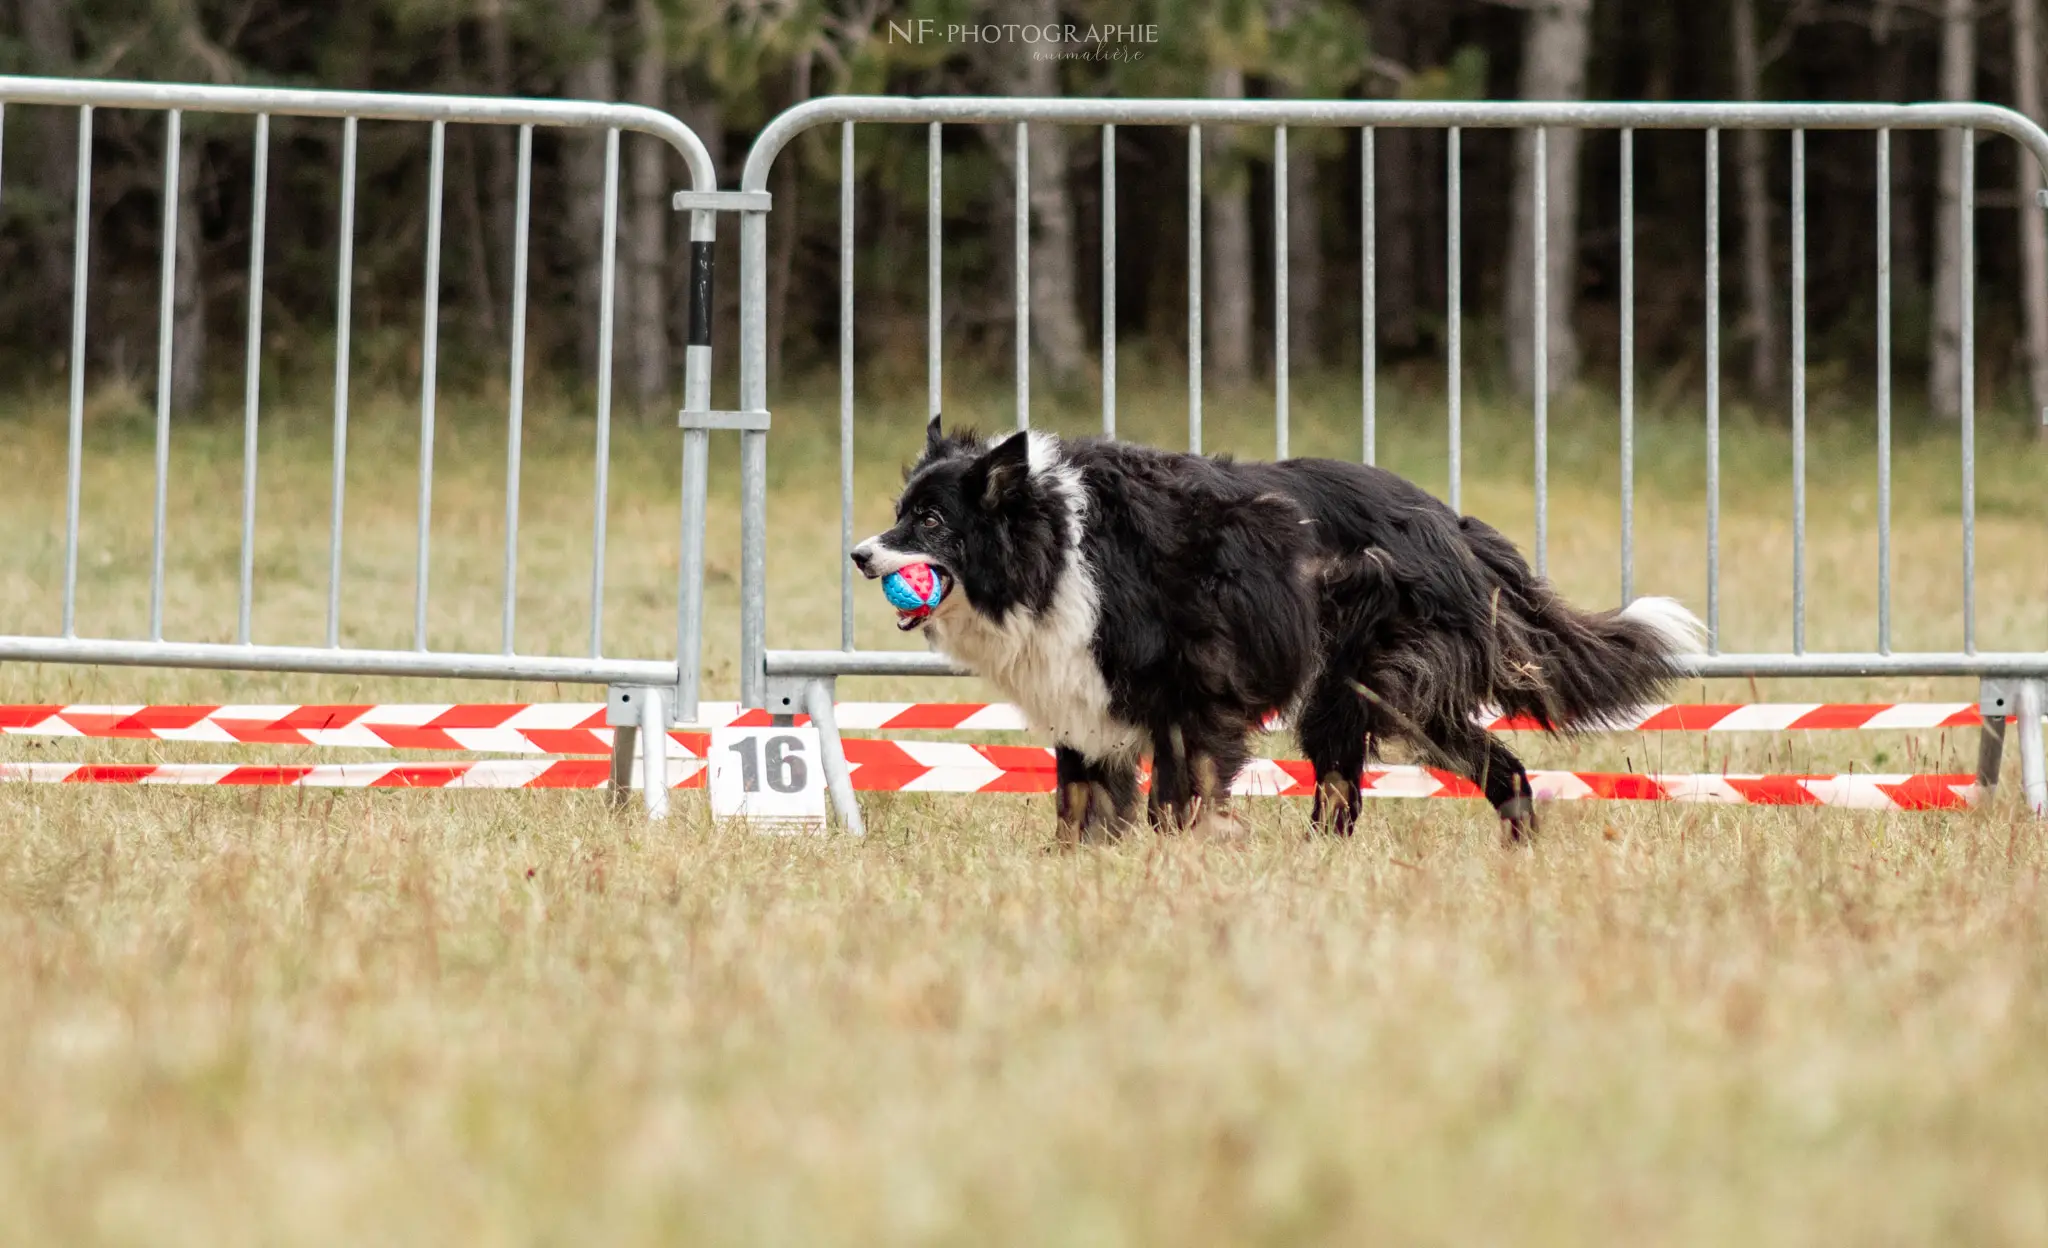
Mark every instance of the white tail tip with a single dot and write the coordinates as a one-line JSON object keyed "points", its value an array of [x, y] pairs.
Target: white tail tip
{"points": [[1668, 618]]}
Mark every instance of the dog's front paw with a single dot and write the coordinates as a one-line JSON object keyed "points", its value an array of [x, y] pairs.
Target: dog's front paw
{"points": [[1518, 821]]}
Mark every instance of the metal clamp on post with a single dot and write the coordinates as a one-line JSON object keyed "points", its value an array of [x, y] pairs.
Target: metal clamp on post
{"points": [[721, 201], [742, 421]]}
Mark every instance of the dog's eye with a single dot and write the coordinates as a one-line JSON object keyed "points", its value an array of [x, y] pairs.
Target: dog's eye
{"points": [[929, 520]]}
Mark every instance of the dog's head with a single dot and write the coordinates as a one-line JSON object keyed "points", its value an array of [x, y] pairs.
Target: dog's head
{"points": [[978, 513]]}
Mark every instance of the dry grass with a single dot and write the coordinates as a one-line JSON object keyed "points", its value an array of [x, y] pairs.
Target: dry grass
{"points": [[250, 1017]]}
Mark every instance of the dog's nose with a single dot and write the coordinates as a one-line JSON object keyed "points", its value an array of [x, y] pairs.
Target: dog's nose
{"points": [[863, 554]]}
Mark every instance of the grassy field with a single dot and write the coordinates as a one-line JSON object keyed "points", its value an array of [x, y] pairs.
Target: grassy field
{"points": [[254, 1017]]}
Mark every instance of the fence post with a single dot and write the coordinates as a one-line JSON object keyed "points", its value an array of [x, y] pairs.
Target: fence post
{"points": [[818, 699], [696, 461], [2033, 767]]}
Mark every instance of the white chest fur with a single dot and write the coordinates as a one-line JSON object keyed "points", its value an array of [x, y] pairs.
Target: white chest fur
{"points": [[1045, 663]]}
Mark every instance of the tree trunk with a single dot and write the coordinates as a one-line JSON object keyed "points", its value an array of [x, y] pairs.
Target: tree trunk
{"points": [[466, 160], [2026, 82], [1554, 42], [1227, 269], [53, 156], [1945, 346], [1304, 222], [1304, 252], [1409, 184], [648, 324], [786, 227], [501, 172], [591, 78], [1894, 84], [1761, 327], [188, 286], [1056, 336]]}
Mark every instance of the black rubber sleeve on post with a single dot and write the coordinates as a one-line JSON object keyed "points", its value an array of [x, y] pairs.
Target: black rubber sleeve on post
{"points": [[700, 294]]}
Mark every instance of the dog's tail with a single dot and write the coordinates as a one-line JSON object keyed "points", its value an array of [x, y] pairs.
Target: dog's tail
{"points": [[1570, 669]]}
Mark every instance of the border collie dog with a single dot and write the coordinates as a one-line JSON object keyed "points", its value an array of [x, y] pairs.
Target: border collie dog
{"points": [[1137, 602]]}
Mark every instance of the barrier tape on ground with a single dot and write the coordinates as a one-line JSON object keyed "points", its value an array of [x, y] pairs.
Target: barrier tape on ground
{"points": [[943, 767], [579, 727]]}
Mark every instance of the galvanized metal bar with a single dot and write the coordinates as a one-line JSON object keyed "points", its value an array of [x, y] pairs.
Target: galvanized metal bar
{"points": [[846, 385], [515, 418], [1280, 292], [369, 105], [1454, 313], [251, 370], [1884, 391], [1540, 345], [1966, 294], [344, 295], [1195, 289], [1109, 281], [1484, 114], [1021, 214], [1368, 311], [753, 460], [932, 223], [234, 657], [1628, 366], [429, 375], [81, 242], [167, 285], [690, 589], [1799, 392], [1713, 365], [607, 289]]}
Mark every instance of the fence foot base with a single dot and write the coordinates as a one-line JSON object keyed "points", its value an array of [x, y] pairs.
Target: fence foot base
{"points": [[624, 738], [639, 716], [1994, 704]]}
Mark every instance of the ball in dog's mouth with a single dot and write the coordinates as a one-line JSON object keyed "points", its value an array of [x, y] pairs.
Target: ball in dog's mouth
{"points": [[915, 590]]}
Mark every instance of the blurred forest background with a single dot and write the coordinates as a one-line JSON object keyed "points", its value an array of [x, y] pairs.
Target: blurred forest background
{"points": [[727, 66]]}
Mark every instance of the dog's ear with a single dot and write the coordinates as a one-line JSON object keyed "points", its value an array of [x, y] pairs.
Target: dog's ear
{"points": [[933, 438], [1004, 469]]}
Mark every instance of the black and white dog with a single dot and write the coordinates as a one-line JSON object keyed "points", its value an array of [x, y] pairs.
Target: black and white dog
{"points": [[1139, 602]]}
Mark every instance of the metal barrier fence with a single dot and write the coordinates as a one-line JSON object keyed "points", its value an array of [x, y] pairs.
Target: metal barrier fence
{"points": [[649, 690], [785, 681]]}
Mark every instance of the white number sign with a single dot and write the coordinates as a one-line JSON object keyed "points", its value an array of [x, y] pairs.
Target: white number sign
{"points": [[769, 776]]}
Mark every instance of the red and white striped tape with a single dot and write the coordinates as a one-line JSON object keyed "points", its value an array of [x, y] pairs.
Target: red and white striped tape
{"points": [[948, 767], [579, 727]]}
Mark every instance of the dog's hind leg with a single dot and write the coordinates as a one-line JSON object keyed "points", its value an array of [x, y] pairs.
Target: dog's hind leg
{"points": [[1193, 767], [1333, 726], [1481, 757], [1112, 798], [1167, 802]]}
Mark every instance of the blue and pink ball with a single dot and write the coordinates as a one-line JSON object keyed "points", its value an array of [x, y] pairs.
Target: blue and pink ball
{"points": [[914, 589]]}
